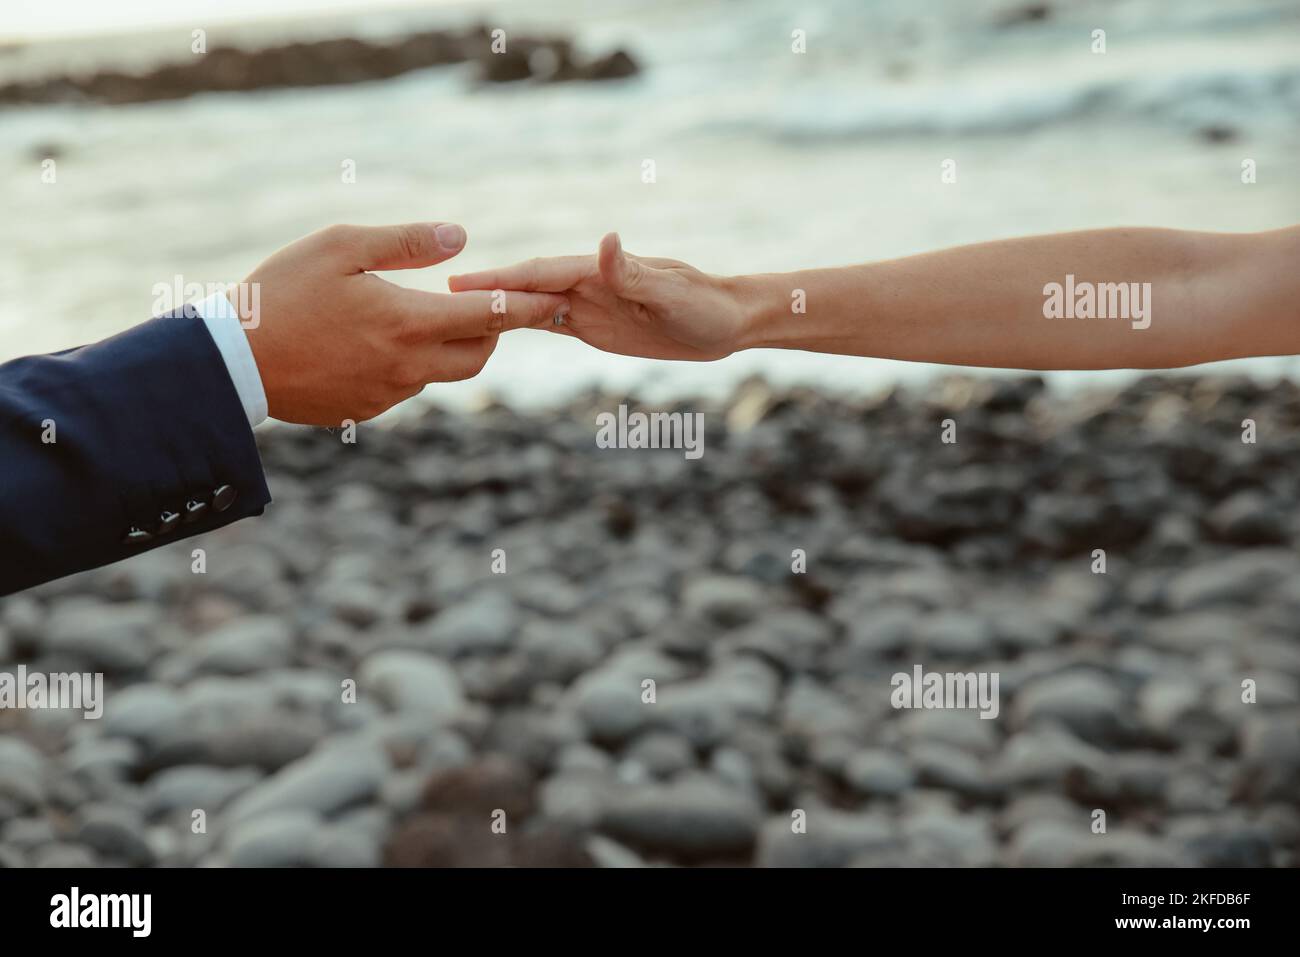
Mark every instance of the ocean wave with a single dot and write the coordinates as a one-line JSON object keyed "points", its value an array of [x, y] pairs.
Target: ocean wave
{"points": [[950, 105]]}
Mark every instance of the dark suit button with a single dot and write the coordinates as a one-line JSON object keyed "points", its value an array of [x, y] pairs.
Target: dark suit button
{"points": [[224, 497], [195, 510], [136, 536], [167, 522]]}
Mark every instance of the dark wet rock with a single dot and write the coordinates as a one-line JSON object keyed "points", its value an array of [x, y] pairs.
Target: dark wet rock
{"points": [[1025, 13], [612, 66], [1217, 133], [510, 65], [327, 62]]}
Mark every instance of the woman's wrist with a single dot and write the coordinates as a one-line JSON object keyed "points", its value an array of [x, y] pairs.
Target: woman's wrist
{"points": [[765, 305]]}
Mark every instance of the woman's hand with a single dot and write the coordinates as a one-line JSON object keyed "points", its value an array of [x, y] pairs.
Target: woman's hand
{"points": [[631, 305]]}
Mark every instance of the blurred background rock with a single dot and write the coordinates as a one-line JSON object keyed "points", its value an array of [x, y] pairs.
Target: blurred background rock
{"points": [[521, 692]]}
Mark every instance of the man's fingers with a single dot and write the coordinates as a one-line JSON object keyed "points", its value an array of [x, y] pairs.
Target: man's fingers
{"points": [[466, 315], [551, 274], [625, 275], [464, 358], [406, 246]]}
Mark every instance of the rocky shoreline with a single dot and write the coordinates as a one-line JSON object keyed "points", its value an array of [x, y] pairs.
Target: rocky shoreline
{"points": [[518, 698], [328, 62]]}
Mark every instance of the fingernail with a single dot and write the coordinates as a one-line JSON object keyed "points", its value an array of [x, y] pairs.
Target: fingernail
{"points": [[450, 236], [560, 314]]}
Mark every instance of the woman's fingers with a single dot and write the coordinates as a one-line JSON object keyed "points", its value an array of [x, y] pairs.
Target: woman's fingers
{"points": [[550, 274], [440, 318]]}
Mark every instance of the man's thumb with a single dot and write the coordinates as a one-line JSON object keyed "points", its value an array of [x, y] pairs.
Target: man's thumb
{"points": [[407, 246]]}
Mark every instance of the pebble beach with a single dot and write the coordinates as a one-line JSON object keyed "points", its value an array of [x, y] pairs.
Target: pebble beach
{"points": [[434, 647]]}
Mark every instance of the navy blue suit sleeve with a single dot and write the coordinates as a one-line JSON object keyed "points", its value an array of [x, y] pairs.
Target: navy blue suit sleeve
{"points": [[119, 447]]}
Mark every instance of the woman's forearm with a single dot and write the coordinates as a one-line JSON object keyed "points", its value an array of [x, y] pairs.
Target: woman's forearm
{"points": [[1112, 298]]}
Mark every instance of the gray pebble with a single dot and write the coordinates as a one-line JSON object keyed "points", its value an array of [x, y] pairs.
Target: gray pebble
{"points": [[281, 838], [724, 600], [187, 787], [830, 839], [412, 682], [116, 833], [877, 773], [325, 781], [103, 637], [694, 820]]}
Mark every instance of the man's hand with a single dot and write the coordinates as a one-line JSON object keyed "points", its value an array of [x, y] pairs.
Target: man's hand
{"points": [[333, 342], [635, 306]]}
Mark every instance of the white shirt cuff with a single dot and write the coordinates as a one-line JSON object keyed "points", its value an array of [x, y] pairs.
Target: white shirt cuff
{"points": [[223, 325]]}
